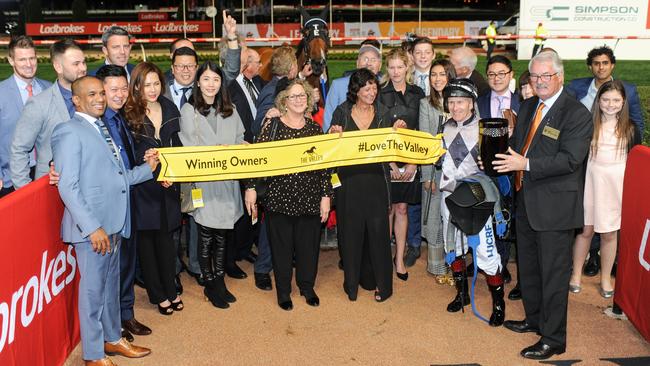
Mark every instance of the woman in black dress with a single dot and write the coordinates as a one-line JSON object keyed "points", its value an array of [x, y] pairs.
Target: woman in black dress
{"points": [[403, 100], [154, 121], [363, 199]]}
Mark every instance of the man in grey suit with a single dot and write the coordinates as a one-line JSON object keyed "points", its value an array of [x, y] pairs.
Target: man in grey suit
{"points": [[14, 92], [44, 111], [94, 186]]}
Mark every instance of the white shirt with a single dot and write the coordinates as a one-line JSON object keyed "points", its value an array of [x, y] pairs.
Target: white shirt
{"points": [[177, 93], [548, 103], [588, 100]]}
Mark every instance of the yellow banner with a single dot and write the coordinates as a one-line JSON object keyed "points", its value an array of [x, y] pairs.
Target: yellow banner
{"points": [[211, 163]]}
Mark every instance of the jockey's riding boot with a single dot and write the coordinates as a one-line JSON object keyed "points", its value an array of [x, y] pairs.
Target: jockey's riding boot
{"points": [[460, 280], [495, 284]]}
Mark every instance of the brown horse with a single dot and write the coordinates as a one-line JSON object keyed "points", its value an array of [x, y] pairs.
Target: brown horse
{"points": [[312, 50]]}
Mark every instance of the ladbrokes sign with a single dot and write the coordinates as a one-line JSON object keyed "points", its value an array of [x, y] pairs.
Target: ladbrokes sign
{"points": [[38, 292], [88, 28]]}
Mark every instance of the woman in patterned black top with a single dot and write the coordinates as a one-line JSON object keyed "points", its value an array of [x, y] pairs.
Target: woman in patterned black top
{"points": [[295, 204]]}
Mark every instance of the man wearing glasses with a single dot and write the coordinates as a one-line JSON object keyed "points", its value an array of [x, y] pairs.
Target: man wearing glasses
{"points": [[547, 153], [116, 47], [185, 61], [492, 105]]}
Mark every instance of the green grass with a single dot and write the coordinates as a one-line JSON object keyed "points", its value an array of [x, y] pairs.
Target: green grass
{"points": [[636, 72]]}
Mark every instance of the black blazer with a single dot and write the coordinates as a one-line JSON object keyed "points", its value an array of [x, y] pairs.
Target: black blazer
{"points": [[150, 196], [482, 86], [553, 189], [403, 106], [238, 98]]}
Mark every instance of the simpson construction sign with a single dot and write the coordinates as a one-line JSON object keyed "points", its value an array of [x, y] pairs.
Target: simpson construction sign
{"points": [[93, 28]]}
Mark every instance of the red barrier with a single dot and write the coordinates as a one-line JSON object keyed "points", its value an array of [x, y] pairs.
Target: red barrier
{"points": [[633, 270], [38, 291]]}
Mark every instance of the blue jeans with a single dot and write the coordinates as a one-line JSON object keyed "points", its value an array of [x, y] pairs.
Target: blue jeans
{"points": [[414, 230], [263, 262]]}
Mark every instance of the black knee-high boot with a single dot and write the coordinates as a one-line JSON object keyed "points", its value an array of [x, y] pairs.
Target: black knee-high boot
{"points": [[206, 247], [460, 279], [219, 261], [495, 284]]}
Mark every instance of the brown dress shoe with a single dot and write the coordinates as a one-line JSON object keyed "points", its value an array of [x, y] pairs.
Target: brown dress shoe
{"points": [[103, 362], [135, 327], [126, 349]]}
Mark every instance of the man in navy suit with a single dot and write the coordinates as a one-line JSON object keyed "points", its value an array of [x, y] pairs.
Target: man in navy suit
{"points": [[94, 186], [491, 105], [601, 62], [116, 47], [14, 92]]}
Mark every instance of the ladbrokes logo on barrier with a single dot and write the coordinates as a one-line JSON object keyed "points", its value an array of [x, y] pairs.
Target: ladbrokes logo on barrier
{"points": [[310, 156], [31, 298]]}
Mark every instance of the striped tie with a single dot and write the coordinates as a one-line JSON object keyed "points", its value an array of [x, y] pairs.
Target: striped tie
{"points": [[104, 131]]}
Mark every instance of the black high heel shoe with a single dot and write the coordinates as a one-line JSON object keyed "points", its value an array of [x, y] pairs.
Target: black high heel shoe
{"points": [[166, 310], [401, 276], [378, 297], [178, 306]]}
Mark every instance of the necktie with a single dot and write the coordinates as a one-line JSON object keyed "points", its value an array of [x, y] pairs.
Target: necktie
{"points": [[30, 90], [251, 90], [184, 95], [423, 83], [104, 131], [130, 161], [500, 99], [519, 175]]}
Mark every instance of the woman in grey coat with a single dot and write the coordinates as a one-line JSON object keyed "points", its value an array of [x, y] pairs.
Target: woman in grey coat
{"points": [[210, 119], [432, 115]]}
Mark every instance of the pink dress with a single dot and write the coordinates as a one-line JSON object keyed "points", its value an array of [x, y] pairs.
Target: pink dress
{"points": [[604, 182]]}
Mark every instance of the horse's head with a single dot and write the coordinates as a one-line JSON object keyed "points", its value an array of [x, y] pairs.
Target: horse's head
{"points": [[313, 46]]}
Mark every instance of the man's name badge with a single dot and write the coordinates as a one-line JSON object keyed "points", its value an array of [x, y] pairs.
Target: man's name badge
{"points": [[551, 132], [336, 181], [197, 197]]}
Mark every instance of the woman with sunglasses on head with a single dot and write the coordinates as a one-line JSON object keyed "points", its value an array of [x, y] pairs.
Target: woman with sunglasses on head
{"points": [[209, 119], [403, 100], [154, 121]]}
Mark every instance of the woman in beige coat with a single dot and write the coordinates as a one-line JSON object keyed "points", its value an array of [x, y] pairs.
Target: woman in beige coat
{"points": [[209, 119]]}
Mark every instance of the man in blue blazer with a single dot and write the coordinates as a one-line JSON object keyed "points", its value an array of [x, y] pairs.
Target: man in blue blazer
{"points": [[14, 92], [116, 47], [94, 186], [601, 62], [43, 112]]}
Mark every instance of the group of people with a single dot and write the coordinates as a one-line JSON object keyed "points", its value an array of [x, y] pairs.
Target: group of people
{"points": [[96, 134]]}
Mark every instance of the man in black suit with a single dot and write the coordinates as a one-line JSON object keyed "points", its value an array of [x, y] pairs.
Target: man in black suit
{"points": [[116, 46], [245, 89], [549, 147]]}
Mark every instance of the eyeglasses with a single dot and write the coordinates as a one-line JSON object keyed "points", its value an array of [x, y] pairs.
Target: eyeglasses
{"points": [[543, 77], [498, 75], [185, 67], [295, 97]]}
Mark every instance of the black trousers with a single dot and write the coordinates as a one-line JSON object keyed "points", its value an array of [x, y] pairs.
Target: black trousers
{"points": [[545, 259], [157, 254], [245, 234], [490, 48], [294, 237]]}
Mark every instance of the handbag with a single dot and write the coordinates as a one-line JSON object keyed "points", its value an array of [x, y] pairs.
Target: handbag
{"points": [[187, 205], [262, 184]]}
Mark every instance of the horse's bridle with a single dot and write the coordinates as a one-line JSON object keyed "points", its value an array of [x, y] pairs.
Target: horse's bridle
{"points": [[310, 32]]}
